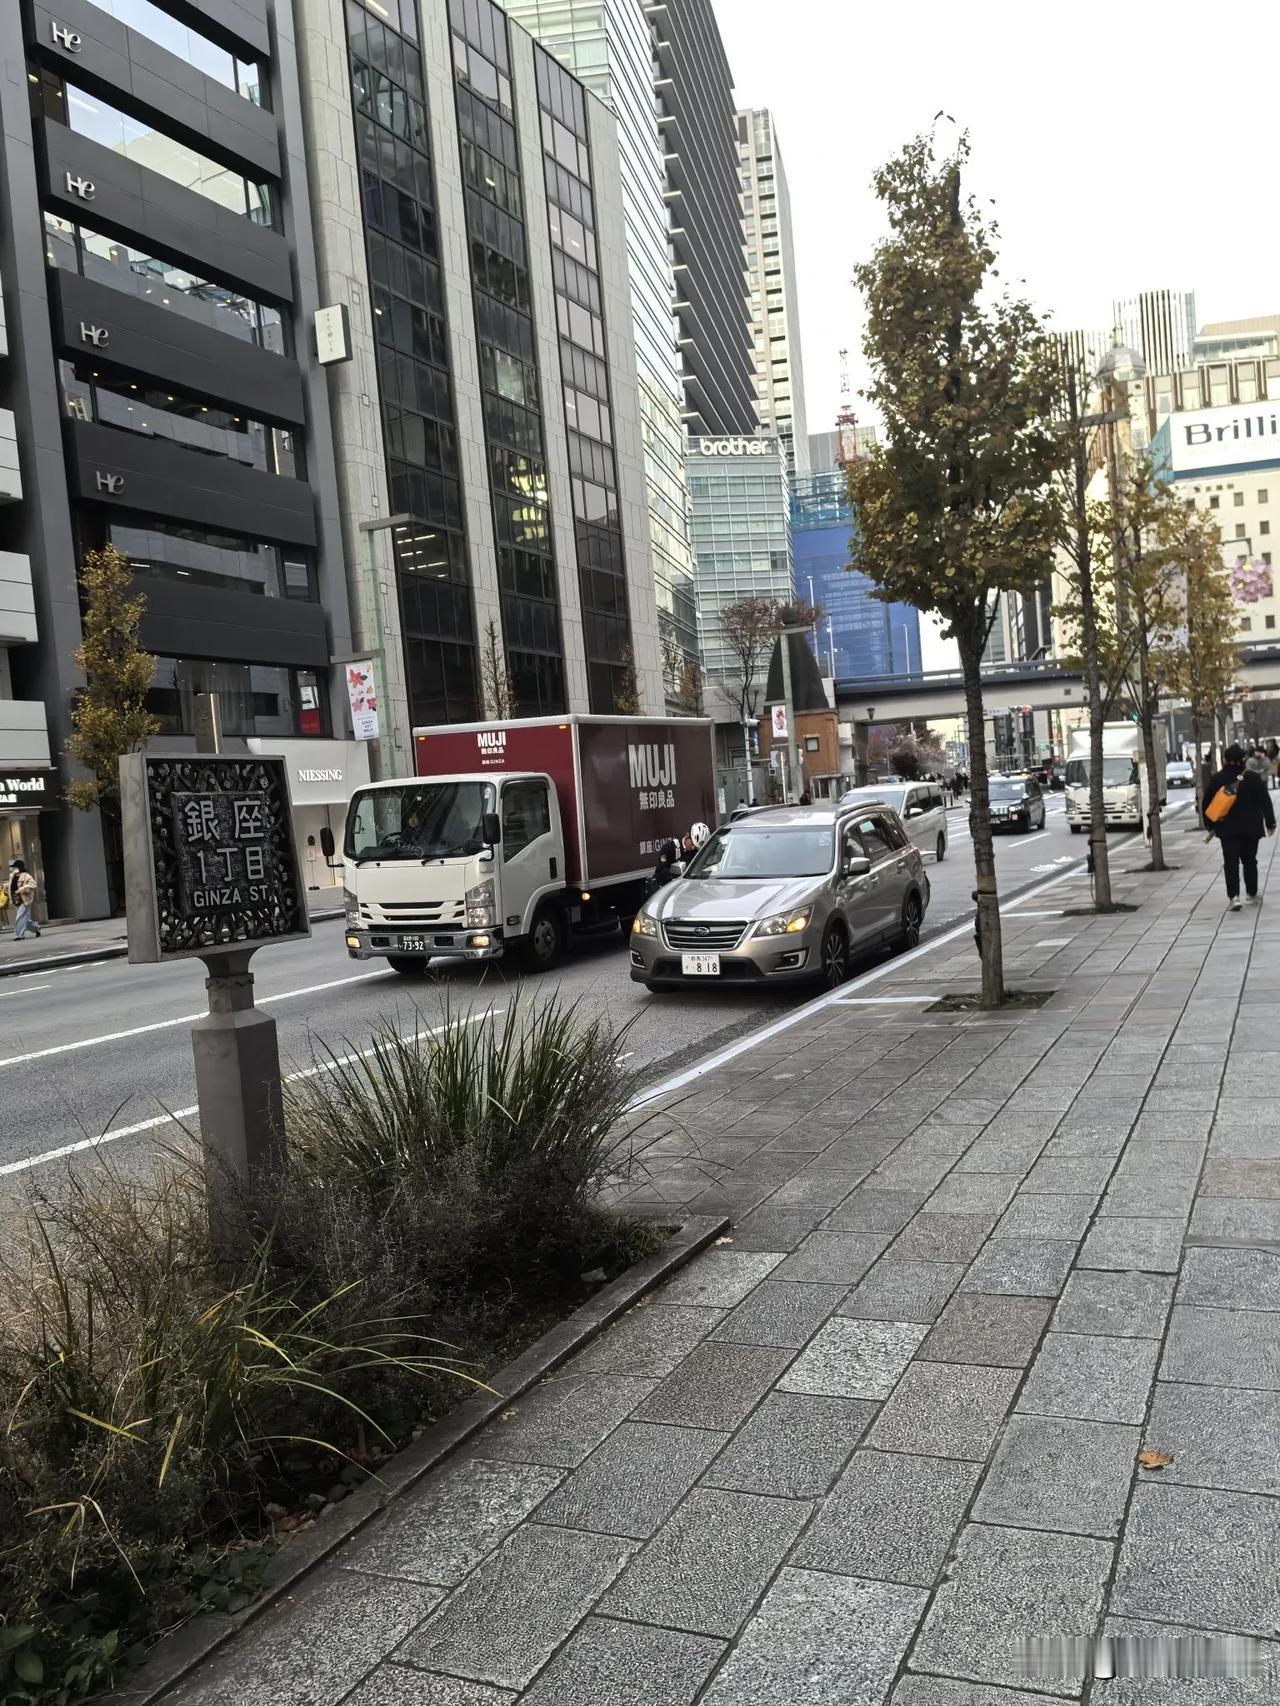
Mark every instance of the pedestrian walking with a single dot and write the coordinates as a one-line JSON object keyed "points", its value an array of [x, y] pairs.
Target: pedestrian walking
{"points": [[1257, 762], [1273, 756], [22, 892], [1238, 810]]}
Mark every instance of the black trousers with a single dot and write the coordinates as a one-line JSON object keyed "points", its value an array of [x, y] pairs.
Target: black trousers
{"points": [[1240, 852]]}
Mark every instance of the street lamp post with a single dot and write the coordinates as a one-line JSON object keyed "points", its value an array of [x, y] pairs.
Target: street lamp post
{"points": [[378, 651], [793, 751]]}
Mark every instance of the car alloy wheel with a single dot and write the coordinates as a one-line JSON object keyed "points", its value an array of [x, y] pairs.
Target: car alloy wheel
{"points": [[912, 919], [835, 956]]}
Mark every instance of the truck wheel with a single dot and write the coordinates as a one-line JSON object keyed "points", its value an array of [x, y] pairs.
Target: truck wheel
{"points": [[408, 965], [1075, 828], [545, 947], [941, 848]]}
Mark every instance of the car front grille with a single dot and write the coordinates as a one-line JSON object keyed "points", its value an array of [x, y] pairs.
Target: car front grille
{"points": [[710, 933]]}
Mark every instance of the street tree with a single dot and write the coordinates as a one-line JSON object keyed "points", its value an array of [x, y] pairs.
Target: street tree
{"points": [[954, 507], [109, 718], [748, 629], [692, 689], [626, 696], [499, 690], [1077, 536], [1204, 662]]}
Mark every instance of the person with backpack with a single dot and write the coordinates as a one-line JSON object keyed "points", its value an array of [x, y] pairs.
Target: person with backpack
{"points": [[1237, 809], [22, 891]]}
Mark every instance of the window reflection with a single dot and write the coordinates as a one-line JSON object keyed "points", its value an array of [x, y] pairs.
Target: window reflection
{"points": [[266, 700]]}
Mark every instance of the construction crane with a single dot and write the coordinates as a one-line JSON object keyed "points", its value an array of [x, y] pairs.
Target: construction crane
{"points": [[846, 421]]}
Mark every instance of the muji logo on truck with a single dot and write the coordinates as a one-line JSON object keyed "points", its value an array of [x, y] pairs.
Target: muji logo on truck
{"points": [[493, 746], [653, 774]]}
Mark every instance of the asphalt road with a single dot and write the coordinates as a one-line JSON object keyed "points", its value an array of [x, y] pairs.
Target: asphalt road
{"points": [[106, 1047]]}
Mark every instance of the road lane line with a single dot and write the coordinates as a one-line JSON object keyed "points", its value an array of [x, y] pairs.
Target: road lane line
{"points": [[33, 990], [179, 1114], [184, 1019]]}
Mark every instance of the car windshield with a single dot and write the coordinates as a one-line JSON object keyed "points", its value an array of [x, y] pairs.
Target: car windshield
{"points": [[1006, 789], [895, 797], [751, 850], [418, 820], [1116, 772]]}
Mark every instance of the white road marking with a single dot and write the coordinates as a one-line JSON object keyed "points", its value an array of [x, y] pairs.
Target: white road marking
{"points": [[183, 1019], [1054, 942], [179, 1114], [883, 1000], [30, 990]]}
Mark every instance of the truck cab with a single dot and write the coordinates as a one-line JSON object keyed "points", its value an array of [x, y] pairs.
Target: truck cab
{"points": [[453, 867]]}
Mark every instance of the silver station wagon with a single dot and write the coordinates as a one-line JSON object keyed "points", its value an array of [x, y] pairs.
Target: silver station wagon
{"points": [[784, 896]]}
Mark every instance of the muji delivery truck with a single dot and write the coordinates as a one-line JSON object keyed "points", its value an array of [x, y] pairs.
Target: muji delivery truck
{"points": [[519, 835], [1123, 776]]}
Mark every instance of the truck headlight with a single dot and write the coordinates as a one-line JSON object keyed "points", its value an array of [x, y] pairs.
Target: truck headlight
{"points": [[350, 909], [785, 924], [480, 906], [643, 925]]}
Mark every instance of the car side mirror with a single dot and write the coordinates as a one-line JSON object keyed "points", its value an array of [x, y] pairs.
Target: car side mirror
{"points": [[491, 830], [327, 846], [857, 865]]}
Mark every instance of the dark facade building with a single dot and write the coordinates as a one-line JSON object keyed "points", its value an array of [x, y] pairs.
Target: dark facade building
{"points": [[159, 271], [697, 118]]}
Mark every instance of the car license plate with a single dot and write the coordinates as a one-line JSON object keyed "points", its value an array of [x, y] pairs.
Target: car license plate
{"points": [[413, 944], [700, 965]]}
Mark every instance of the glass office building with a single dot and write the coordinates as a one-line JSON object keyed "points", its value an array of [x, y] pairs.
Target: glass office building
{"points": [[741, 525], [858, 635]]}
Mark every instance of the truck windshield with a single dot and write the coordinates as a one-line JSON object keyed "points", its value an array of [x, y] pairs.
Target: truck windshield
{"points": [[744, 851], [418, 820], [1116, 772]]}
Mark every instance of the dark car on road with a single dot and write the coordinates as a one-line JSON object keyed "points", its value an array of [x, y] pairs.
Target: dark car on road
{"points": [[1017, 802]]}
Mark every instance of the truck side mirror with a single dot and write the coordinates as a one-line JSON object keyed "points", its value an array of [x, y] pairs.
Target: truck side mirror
{"points": [[326, 842], [491, 830]]}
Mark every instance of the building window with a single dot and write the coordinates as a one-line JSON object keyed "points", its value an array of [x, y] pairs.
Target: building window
{"points": [[1239, 529], [1270, 621], [91, 116], [228, 562], [1246, 624], [244, 76], [1238, 499], [1213, 503], [1264, 527], [264, 700], [1261, 495]]}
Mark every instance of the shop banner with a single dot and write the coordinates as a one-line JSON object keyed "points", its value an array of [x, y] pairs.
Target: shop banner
{"points": [[363, 697]]}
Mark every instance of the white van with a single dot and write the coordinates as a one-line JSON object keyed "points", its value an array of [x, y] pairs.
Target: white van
{"points": [[922, 806]]}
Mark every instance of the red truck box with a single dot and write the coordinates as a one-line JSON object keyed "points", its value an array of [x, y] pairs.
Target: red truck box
{"points": [[625, 784]]}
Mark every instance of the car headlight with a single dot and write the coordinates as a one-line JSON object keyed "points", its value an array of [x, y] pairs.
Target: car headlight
{"points": [[785, 924], [350, 909], [480, 906], [644, 925]]}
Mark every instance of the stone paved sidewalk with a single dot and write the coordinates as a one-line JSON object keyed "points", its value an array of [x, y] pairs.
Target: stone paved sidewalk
{"points": [[890, 1431]]}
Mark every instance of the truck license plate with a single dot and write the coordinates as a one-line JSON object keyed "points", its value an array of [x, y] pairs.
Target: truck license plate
{"points": [[413, 944], [700, 965]]}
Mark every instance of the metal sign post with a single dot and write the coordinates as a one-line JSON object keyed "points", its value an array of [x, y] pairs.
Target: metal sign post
{"points": [[211, 873]]}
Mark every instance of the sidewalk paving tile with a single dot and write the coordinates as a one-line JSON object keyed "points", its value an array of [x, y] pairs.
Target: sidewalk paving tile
{"points": [[1253, 1678], [720, 1279], [1153, 1246], [1241, 1179], [1230, 1279], [1233, 1217], [716, 1386], [1218, 1438], [916, 1690], [438, 1532], [1021, 1266], [632, 1483], [949, 1409], [854, 1359], [1218, 1347], [890, 1517], [1158, 1194], [1202, 1557], [1093, 1378], [626, 1664], [903, 1291], [1005, 1586], [649, 1340], [706, 1567], [1046, 1217], [869, 1210], [1006, 1152], [974, 1193], [314, 1652], [1125, 1304], [836, 1258], [509, 1616], [794, 1445], [944, 1237], [819, 1640], [1052, 1473], [1000, 1332], [785, 1315], [396, 1685], [563, 1420], [1068, 1175]]}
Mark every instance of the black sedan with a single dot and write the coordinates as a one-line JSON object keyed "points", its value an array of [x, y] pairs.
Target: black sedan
{"points": [[1017, 802]]}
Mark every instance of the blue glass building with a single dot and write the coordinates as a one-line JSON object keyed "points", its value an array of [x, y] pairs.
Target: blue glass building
{"points": [[867, 637]]}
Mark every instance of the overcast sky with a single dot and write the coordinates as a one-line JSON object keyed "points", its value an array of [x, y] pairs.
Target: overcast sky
{"points": [[1108, 134]]}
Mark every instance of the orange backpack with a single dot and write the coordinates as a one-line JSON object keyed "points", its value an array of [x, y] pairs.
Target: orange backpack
{"points": [[1221, 803]]}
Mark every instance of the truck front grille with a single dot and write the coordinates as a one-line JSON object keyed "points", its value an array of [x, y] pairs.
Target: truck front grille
{"points": [[413, 915], [693, 933]]}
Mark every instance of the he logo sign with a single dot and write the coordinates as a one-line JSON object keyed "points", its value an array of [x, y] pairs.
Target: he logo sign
{"points": [[63, 37]]}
